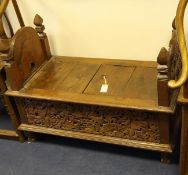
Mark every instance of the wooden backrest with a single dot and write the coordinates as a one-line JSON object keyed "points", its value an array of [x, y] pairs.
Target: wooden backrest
{"points": [[25, 56]]}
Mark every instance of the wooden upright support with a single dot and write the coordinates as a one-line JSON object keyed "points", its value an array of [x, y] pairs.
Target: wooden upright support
{"points": [[12, 134], [38, 21], [184, 134], [162, 78]]}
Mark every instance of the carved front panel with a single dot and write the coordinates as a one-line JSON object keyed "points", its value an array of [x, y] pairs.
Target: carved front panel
{"points": [[126, 124]]}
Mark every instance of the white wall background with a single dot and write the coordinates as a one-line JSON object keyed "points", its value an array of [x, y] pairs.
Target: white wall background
{"points": [[121, 29]]}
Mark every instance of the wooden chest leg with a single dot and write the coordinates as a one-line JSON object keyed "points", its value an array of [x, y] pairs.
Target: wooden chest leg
{"points": [[13, 117], [166, 158], [31, 137], [164, 124], [11, 111], [184, 142]]}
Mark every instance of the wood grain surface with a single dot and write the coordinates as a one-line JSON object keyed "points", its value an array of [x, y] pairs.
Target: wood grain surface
{"points": [[79, 81]]}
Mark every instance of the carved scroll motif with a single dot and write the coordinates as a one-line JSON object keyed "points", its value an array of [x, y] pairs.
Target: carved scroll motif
{"points": [[96, 120]]}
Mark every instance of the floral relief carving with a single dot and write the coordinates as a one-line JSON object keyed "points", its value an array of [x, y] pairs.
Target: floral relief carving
{"points": [[126, 124], [175, 64]]}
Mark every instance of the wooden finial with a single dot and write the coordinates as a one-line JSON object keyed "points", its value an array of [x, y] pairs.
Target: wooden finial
{"points": [[163, 56], [38, 21]]}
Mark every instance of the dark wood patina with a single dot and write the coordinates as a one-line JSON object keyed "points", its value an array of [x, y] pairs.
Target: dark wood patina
{"points": [[61, 95]]}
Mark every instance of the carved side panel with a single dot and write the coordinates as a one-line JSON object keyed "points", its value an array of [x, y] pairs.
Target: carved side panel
{"points": [[25, 57], [96, 120], [169, 68], [174, 62]]}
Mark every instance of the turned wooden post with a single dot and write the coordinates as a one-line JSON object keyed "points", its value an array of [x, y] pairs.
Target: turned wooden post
{"points": [[183, 100], [162, 78], [184, 141], [38, 21]]}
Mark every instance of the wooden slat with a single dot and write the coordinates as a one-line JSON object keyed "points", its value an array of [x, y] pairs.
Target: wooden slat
{"points": [[8, 134], [78, 78], [143, 84], [99, 138], [116, 76], [51, 75], [110, 101], [124, 62], [65, 80]]}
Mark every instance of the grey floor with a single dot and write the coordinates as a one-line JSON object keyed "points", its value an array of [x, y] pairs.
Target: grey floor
{"points": [[51, 155]]}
